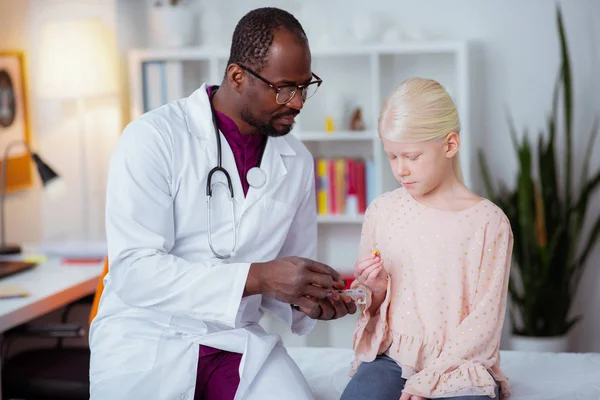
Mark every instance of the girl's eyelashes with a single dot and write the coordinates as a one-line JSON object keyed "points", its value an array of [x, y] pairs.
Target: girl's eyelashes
{"points": [[412, 157]]}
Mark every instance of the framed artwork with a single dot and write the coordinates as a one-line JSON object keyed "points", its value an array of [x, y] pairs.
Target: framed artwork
{"points": [[14, 120]]}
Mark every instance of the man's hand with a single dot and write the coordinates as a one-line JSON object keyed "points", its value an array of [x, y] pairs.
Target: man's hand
{"points": [[293, 280], [408, 396], [333, 307]]}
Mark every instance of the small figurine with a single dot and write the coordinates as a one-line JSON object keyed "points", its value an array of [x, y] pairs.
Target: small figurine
{"points": [[356, 121]]}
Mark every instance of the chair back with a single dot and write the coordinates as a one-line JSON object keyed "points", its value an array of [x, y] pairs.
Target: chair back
{"points": [[99, 289]]}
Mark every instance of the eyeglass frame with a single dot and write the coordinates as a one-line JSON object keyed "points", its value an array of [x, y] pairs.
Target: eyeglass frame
{"points": [[278, 88]]}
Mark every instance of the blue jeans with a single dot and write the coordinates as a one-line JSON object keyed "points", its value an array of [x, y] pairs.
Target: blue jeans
{"points": [[382, 379]]}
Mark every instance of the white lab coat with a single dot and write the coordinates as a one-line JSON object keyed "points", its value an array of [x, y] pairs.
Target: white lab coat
{"points": [[166, 292]]}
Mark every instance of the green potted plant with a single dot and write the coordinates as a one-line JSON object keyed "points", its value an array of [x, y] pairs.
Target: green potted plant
{"points": [[547, 210]]}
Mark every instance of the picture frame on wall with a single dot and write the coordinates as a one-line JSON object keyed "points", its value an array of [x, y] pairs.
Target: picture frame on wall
{"points": [[14, 120]]}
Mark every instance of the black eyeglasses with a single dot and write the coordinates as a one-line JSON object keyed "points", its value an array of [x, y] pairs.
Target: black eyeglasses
{"points": [[285, 93]]}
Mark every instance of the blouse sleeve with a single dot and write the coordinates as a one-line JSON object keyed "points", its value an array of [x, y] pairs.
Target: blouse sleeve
{"points": [[371, 330], [472, 347]]}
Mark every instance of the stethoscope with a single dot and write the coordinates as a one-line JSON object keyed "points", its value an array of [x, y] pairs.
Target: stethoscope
{"points": [[256, 178]]}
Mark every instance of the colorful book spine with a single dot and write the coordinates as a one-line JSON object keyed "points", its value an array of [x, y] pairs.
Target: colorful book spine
{"points": [[342, 186]]}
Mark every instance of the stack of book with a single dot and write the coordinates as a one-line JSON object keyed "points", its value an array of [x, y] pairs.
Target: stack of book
{"points": [[344, 186]]}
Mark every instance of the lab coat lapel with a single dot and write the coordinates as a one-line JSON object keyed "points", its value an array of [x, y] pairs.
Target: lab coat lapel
{"points": [[198, 118], [200, 123], [231, 167], [273, 166]]}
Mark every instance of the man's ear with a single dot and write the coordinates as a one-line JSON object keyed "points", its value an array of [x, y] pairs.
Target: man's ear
{"points": [[452, 144], [236, 77]]}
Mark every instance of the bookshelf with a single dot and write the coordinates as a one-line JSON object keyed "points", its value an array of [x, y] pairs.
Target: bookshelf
{"points": [[354, 76]]}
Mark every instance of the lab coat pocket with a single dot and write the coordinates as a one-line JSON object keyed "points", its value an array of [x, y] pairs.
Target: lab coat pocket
{"points": [[121, 348]]}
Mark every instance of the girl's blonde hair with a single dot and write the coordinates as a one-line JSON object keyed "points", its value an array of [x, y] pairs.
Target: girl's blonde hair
{"points": [[419, 110]]}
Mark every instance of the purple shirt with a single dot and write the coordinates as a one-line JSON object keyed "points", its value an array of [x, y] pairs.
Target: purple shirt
{"points": [[247, 149]]}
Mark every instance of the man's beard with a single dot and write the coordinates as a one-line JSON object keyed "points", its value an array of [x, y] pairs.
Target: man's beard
{"points": [[266, 129]]}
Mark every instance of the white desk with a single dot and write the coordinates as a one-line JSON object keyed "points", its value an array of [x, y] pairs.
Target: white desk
{"points": [[51, 286]]}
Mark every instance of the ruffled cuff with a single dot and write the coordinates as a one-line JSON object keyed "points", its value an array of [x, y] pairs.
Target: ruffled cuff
{"points": [[371, 330], [452, 378]]}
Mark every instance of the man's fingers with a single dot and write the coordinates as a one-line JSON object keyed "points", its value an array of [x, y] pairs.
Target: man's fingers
{"points": [[306, 302], [314, 312], [316, 291], [349, 303], [319, 279], [320, 268], [328, 311], [340, 307], [339, 285]]}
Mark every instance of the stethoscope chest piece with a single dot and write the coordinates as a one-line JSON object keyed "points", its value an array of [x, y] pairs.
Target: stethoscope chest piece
{"points": [[256, 177]]}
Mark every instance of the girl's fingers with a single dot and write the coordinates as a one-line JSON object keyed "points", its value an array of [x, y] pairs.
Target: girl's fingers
{"points": [[362, 265], [373, 274], [367, 271]]}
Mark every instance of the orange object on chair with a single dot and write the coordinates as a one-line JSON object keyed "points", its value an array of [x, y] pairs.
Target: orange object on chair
{"points": [[99, 290]]}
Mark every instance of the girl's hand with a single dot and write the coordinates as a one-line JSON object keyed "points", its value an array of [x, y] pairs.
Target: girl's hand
{"points": [[369, 271], [408, 396]]}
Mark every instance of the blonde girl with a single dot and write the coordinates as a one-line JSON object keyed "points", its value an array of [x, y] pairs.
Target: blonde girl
{"points": [[434, 260]]}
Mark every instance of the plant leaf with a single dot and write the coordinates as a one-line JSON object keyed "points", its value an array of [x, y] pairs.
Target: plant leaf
{"points": [[513, 132], [552, 118], [540, 219], [570, 324], [586, 193], [588, 150], [568, 105]]}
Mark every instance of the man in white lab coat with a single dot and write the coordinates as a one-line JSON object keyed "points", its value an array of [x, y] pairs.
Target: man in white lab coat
{"points": [[187, 284]]}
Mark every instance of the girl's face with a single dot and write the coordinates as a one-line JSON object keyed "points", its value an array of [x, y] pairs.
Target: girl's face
{"points": [[422, 166]]}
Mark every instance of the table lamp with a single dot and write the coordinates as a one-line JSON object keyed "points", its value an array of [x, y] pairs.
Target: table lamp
{"points": [[78, 62], [47, 176]]}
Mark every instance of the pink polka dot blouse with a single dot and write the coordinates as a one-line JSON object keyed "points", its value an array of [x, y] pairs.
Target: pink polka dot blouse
{"points": [[443, 312]]}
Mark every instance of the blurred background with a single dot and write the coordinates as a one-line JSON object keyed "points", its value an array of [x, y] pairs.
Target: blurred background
{"points": [[91, 66]]}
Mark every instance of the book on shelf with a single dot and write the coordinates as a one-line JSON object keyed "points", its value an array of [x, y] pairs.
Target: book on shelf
{"points": [[343, 185], [162, 83]]}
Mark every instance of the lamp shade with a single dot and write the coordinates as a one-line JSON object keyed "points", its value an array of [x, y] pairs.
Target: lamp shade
{"points": [[47, 174], [77, 60]]}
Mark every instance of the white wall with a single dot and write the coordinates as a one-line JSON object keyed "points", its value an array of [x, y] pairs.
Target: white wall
{"points": [[57, 127], [515, 63], [33, 215]]}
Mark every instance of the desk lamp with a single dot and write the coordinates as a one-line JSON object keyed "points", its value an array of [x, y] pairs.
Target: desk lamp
{"points": [[47, 176]]}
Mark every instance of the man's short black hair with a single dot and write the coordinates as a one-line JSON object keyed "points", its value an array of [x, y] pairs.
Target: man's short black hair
{"points": [[254, 33]]}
